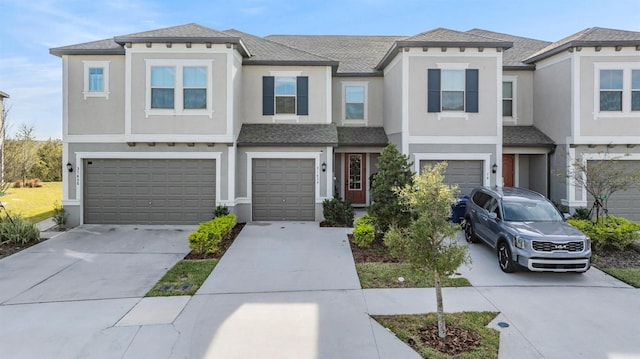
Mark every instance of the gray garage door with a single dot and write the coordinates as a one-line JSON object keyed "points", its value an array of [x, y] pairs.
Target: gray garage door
{"points": [[466, 174], [149, 191], [283, 189], [623, 203]]}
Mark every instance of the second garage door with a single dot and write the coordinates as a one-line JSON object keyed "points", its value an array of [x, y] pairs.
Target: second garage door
{"points": [[149, 191], [283, 189], [466, 174], [623, 203]]}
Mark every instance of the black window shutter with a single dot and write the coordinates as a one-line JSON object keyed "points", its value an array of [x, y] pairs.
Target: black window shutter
{"points": [[433, 90], [268, 90], [471, 90], [302, 94]]}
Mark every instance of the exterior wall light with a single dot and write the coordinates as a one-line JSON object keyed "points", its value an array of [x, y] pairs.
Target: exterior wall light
{"points": [[494, 168], [324, 167], [69, 167]]}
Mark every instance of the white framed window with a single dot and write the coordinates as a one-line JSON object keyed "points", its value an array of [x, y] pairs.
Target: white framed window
{"points": [[509, 99], [179, 87], [96, 79], [285, 95], [452, 87], [617, 89], [354, 102]]}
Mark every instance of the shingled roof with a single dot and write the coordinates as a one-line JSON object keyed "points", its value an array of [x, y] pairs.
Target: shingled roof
{"points": [[358, 55], [441, 37], [523, 47], [100, 47], [278, 134], [530, 136], [267, 52], [182, 33], [595, 36], [362, 136]]}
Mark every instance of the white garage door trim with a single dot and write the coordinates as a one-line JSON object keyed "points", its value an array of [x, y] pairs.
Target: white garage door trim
{"points": [[585, 157], [81, 156], [484, 157], [284, 155]]}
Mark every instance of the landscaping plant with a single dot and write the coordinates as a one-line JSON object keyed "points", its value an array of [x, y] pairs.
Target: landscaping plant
{"points": [[364, 232], [337, 212], [428, 242], [59, 215], [16, 230], [205, 240], [394, 170], [608, 232], [220, 211]]}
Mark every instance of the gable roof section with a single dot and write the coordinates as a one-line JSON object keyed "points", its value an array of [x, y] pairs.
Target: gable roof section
{"points": [[267, 52], [284, 134], [523, 47], [357, 55], [441, 37], [530, 136], [594, 36], [182, 33], [100, 47], [362, 136]]}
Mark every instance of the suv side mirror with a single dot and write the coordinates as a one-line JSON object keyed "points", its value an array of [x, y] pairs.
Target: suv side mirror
{"points": [[566, 215], [493, 215]]}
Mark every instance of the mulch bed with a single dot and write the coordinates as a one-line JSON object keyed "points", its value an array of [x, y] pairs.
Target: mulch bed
{"points": [[222, 247], [9, 249], [458, 339], [376, 252], [628, 258]]}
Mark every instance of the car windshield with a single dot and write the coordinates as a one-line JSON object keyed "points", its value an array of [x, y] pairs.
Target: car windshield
{"points": [[530, 211]]}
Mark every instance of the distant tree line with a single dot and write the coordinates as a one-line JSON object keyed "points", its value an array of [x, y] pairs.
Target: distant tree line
{"points": [[26, 158]]}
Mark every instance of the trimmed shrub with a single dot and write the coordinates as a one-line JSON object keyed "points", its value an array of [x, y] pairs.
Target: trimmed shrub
{"points": [[59, 215], [609, 232], [221, 210], [207, 237], [337, 212], [581, 213], [364, 233], [17, 184], [18, 231], [34, 183]]}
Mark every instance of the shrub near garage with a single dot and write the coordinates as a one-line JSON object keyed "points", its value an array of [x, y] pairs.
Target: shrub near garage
{"points": [[207, 237], [364, 233], [337, 212], [18, 231], [608, 232]]}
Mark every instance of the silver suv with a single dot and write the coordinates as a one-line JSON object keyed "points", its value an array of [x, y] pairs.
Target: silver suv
{"points": [[526, 230]]}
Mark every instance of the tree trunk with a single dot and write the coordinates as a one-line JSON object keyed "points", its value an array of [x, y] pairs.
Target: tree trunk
{"points": [[442, 329]]}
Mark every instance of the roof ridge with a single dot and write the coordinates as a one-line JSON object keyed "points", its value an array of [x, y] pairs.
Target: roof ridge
{"points": [[284, 45]]}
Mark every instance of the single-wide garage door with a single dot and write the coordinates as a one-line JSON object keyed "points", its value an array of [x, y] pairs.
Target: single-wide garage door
{"points": [[466, 174], [623, 203], [283, 189], [149, 191]]}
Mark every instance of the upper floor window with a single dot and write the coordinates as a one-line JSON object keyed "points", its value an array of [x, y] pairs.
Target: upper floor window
{"points": [[179, 87], [507, 98], [354, 99], [285, 95], [611, 90], [635, 90], [452, 90], [96, 79]]}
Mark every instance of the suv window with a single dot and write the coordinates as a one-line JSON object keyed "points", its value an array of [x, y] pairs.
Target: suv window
{"points": [[493, 206], [480, 198]]}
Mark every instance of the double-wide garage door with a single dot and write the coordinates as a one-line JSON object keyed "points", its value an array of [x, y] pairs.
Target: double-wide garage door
{"points": [[623, 203], [466, 174], [149, 191], [283, 189]]}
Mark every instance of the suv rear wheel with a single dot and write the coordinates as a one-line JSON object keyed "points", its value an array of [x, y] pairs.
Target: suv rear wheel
{"points": [[469, 233], [504, 258]]}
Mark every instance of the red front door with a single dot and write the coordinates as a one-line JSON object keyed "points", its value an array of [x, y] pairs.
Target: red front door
{"points": [[355, 181], [507, 170]]}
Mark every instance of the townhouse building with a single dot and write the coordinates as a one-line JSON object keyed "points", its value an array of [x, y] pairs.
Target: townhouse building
{"points": [[164, 125]]}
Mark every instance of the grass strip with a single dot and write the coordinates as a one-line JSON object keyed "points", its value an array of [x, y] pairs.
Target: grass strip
{"points": [[630, 276], [385, 275], [185, 272]]}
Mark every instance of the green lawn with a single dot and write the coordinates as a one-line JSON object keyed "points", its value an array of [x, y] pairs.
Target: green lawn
{"points": [[185, 272], [34, 204], [385, 275], [630, 276], [409, 329]]}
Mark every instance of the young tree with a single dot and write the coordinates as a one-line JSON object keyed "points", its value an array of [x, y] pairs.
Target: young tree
{"points": [[20, 154], [602, 178], [429, 242], [48, 166], [394, 170]]}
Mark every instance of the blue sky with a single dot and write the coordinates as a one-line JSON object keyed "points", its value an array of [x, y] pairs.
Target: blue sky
{"points": [[28, 28]]}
